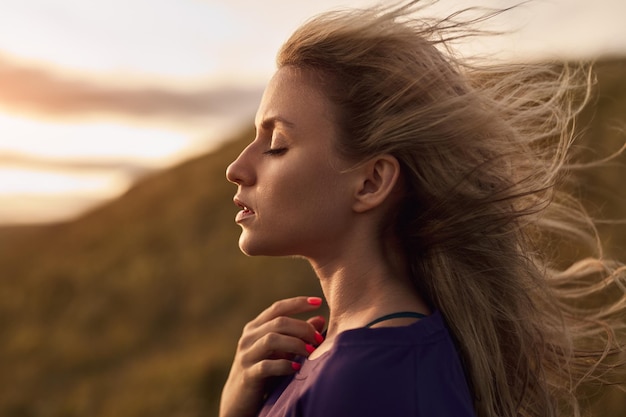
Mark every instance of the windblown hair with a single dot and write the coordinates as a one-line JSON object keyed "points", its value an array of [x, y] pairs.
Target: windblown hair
{"points": [[482, 148]]}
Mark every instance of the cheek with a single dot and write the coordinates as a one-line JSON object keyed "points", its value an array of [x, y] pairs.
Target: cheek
{"points": [[290, 184], [325, 199], [304, 183]]}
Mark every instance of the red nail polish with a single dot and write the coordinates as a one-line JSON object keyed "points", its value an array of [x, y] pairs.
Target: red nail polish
{"points": [[319, 338], [296, 366], [309, 348], [314, 301]]}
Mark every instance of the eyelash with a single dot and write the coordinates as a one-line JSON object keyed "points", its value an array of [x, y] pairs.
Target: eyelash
{"points": [[276, 151]]}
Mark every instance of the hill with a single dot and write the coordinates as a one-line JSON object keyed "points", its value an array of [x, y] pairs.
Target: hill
{"points": [[135, 308]]}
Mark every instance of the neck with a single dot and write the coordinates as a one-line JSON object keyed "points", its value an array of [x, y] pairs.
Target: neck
{"points": [[361, 285]]}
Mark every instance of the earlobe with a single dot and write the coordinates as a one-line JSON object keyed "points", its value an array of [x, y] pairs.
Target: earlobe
{"points": [[377, 180]]}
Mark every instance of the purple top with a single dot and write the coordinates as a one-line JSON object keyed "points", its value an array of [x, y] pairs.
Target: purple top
{"points": [[412, 370]]}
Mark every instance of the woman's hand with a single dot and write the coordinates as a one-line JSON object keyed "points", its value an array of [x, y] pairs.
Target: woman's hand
{"points": [[266, 349]]}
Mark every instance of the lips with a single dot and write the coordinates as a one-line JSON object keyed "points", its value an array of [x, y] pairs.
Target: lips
{"points": [[245, 211]]}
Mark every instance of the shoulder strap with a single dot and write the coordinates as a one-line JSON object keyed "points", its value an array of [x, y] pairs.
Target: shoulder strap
{"points": [[401, 314]]}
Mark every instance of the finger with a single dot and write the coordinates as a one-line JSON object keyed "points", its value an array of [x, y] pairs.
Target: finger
{"points": [[289, 326], [288, 307], [283, 325], [318, 323], [274, 367], [275, 345]]}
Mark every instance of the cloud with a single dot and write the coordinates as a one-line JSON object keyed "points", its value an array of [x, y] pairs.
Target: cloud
{"points": [[30, 209], [93, 136], [85, 165], [39, 91]]}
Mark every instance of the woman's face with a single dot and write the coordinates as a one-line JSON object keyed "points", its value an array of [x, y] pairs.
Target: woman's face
{"points": [[294, 197]]}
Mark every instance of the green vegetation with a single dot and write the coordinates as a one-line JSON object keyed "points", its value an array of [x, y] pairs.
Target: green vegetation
{"points": [[135, 308]]}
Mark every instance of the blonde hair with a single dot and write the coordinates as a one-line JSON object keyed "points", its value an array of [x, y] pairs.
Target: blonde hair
{"points": [[481, 148]]}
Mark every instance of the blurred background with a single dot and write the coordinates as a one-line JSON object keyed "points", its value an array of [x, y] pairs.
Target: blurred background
{"points": [[122, 291]]}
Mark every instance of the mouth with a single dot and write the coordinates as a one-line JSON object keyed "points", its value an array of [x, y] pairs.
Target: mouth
{"points": [[245, 211]]}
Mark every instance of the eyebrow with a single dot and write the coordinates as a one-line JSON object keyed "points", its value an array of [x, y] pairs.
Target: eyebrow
{"points": [[270, 122]]}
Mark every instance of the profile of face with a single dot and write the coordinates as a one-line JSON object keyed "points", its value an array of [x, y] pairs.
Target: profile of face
{"points": [[294, 189]]}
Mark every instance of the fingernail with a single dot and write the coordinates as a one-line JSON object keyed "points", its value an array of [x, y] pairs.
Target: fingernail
{"points": [[314, 301], [319, 338], [296, 366], [309, 348]]}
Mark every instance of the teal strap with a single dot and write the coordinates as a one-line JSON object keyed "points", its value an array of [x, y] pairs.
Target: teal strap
{"points": [[402, 314]]}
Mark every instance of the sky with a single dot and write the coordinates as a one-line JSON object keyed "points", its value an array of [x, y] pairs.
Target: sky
{"points": [[94, 94]]}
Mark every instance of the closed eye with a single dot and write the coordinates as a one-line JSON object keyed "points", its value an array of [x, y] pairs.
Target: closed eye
{"points": [[275, 151]]}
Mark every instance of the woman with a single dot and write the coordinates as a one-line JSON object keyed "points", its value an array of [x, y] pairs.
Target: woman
{"points": [[420, 189]]}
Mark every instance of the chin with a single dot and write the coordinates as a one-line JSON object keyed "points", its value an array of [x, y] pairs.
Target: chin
{"points": [[252, 247], [246, 248]]}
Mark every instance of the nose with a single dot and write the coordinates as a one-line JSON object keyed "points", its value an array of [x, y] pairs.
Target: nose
{"points": [[240, 171]]}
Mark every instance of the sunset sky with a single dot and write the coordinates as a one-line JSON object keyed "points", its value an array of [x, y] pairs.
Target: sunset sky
{"points": [[95, 93]]}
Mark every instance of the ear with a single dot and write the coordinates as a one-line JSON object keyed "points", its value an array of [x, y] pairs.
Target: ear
{"points": [[376, 180]]}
